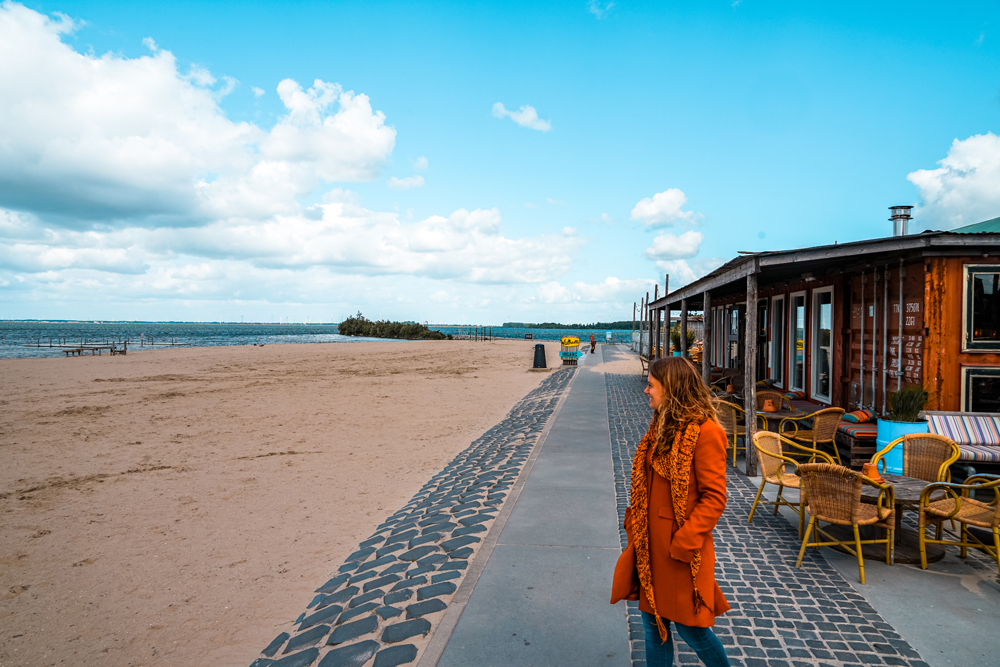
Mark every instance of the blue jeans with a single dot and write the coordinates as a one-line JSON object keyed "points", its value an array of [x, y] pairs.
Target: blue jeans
{"points": [[702, 640]]}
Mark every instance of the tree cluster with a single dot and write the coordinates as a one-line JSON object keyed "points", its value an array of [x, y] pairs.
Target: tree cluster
{"points": [[359, 325]]}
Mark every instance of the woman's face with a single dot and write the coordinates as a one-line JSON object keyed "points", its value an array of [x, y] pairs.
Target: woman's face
{"points": [[656, 393]]}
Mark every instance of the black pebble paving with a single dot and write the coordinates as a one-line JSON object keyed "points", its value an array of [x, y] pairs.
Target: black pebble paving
{"points": [[781, 616], [419, 552]]}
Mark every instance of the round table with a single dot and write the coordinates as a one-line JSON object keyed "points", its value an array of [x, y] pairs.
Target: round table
{"points": [[906, 542], [778, 415]]}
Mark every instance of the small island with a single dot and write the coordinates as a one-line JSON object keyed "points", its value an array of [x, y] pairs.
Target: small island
{"points": [[359, 325]]}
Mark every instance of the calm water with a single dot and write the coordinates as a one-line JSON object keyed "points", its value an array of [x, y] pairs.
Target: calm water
{"points": [[14, 336]]}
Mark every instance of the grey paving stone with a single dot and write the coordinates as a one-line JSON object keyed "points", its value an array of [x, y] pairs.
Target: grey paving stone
{"points": [[360, 555], [365, 598], [394, 569], [418, 553], [434, 590], [364, 576], [360, 610], [381, 582], [458, 542], [378, 562], [454, 565], [464, 552], [398, 596], [409, 583], [353, 655], [403, 631], [396, 655], [307, 638], [372, 541], [300, 659], [387, 612], [402, 537], [349, 631], [275, 644], [417, 571], [423, 608], [333, 584], [433, 559], [445, 576], [391, 548], [261, 662], [341, 596], [323, 616], [469, 530], [426, 539]]}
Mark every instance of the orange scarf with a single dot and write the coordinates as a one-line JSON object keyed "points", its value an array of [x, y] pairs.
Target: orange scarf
{"points": [[675, 467]]}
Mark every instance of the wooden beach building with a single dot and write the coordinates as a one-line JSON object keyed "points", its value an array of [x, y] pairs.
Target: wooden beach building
{"points": [[847, 324]]}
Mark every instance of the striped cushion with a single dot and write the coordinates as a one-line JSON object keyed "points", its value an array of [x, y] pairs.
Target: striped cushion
{"points": [[795, 394], [985, 454], [967, 429], [859, 431], [859, 417]]}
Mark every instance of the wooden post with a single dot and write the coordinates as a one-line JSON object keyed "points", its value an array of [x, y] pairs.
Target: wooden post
{"points": [[706, 337], [647, 320], [684, 328], [750, 372]]}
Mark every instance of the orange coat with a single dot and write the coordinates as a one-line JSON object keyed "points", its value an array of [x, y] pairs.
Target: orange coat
{"points": [[671, 548]]}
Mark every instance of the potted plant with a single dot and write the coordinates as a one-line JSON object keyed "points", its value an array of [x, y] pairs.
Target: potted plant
{"points": [[675, 339], [903, 418]]}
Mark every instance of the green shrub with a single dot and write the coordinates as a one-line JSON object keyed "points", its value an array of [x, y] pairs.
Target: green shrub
{"points": [[675, 336], [905, 405], [359, 325]]}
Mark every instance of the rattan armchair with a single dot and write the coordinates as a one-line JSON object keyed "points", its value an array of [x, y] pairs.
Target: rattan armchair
{"points": [[777, 468], [833, 495], [823, 431], [926, 456], [730, 416], [959, 506], [780, 400]]}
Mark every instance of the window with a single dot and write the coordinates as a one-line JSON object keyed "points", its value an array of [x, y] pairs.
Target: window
{"points": [[981, 389], [797, 338], [822, 339], [982, 307], [777, 343]]}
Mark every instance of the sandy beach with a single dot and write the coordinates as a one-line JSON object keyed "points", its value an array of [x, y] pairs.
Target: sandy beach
{"points": [[178, 507]]}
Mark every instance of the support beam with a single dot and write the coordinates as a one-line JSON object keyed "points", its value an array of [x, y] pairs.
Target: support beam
{"points": [[750, 372], [684, 328], [706, 338], [654, 339]]}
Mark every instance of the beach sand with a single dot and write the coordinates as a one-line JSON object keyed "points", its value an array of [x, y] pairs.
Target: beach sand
{"points": [[179, 507]]}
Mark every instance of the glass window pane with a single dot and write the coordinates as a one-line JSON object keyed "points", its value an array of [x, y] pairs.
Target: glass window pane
{"points": [[822, 339], [798, 321], [986, 307], [778, 342], [984, 393]]}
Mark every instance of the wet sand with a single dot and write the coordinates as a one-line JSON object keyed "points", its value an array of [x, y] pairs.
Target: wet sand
{"points": [[178, 507]]}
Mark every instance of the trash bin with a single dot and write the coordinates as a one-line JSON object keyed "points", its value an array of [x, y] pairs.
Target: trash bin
{"points": [[539, 356]]}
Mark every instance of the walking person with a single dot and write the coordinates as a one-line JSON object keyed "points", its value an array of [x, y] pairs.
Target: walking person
{"points": [[678, 495], [593, 344]]}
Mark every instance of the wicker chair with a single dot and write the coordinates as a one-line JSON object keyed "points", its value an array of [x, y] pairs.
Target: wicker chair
{"points": [[773, 461], [833, 495], [730, 416], [926, 456], [824, 429], [964, 509], [779, 399]]}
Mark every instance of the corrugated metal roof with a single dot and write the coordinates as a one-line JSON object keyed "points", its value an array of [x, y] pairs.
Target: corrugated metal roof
{"points": [[985, 227]]}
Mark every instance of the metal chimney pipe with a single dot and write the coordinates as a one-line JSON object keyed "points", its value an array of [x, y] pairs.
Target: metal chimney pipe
{"points": [[900, 216]]}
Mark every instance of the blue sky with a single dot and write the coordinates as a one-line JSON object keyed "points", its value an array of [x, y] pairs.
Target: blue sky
{"points": [[179, 160]]}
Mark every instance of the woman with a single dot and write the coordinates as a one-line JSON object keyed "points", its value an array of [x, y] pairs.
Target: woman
{"points": [[678, 495]]}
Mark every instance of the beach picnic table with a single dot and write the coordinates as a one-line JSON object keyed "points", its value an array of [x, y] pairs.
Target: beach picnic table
{"points": [[906, 542]]}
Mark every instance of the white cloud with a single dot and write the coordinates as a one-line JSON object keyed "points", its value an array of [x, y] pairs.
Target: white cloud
{"points": [[607, 219], [526, 116], [257, 92], [569, 231], [555, 202], [106, 138], [406, 183], [663, 208], [598, 9], [667, 246], [611, 291], [420, 164], [682, 271], [965, 189]]}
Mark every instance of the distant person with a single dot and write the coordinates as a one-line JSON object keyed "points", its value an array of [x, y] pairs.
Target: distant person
{"points": [[678, 494], [593, 343]]}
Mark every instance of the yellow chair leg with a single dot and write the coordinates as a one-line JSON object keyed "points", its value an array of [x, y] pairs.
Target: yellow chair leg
{"points": [[922, 533], [965, 540], [802, 511], [996, 545], [755, 501], [805, 540], [857, 545], [888, 546], [779, 499]]}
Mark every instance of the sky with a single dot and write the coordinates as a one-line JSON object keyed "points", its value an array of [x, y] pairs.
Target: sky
{"points": [[468, 162]]}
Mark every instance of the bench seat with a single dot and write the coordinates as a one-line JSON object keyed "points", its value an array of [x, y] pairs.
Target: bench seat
{"points": [[977, 434]]}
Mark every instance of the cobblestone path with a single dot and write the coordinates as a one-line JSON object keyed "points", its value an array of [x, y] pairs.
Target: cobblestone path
{"points": [[781, 616], [389, 595]]}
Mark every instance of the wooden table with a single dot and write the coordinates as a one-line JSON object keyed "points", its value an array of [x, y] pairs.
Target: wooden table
{"points": [[778, 415], [906, 542]]}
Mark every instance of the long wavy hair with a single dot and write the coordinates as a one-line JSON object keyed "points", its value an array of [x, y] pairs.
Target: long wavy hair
{"points": [[686, 399]]}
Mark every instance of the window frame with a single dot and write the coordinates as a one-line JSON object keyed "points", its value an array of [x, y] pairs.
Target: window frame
{"points": [[814, 355], [791, 336], [969, 345], [967, 378], [777, 357]]}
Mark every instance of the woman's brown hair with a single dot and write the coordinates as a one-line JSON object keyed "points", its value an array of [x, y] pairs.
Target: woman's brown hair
{"points": [[686, 399]]}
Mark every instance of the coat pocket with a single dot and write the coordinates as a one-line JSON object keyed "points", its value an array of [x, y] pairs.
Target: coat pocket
{"points": [[661, 531]]}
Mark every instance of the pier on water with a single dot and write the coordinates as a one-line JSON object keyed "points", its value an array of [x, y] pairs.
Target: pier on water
{"points": [[114, 346]]}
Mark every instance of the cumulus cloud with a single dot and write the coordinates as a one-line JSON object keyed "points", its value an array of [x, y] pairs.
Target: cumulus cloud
{"points": [[420, 164], [257, 92], [663, 208], [965, 189], [90, 138], [667, 246], [406, 183], [683, 271], [526, 116], [611, 291], [599, 9]]}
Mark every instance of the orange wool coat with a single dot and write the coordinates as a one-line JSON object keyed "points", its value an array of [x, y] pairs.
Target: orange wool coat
{"points": [[671, 548]]}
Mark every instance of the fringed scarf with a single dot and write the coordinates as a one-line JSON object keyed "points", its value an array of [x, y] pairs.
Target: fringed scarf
{"points": [[675, 467]]}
